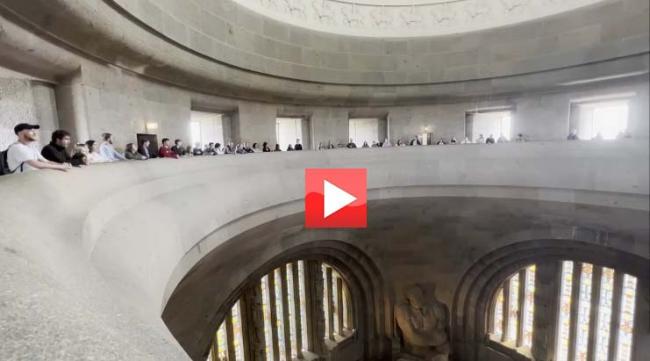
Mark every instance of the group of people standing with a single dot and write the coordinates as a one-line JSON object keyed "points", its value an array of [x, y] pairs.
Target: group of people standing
{"points": [[61, 154]]}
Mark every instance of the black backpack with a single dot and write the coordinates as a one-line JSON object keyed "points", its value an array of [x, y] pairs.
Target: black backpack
{"points": [[4, 166]]}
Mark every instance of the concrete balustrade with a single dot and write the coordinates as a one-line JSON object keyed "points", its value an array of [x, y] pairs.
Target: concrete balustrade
{"points": [[89, 258]]}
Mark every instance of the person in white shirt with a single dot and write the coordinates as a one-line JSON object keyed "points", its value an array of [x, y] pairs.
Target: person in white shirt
{"points": [[107, 150], [22, 156], [386, 143], [93, 155]]}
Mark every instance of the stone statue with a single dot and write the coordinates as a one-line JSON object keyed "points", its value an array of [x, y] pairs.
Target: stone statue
{"points": [[423, 324]]}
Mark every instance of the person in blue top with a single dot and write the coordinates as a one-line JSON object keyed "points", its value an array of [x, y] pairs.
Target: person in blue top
{"points": [[107, 150]]}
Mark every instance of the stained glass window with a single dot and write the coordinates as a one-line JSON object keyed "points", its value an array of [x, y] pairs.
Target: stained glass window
{"points": [[513, 308], [266, 310], [626, 326], [280, 314], [238, 337], [566, 284], [498, 315], [584, 311], [529, 307], [325, 297], [291, 312], [604, 314], [222, 343], [303, 305]]}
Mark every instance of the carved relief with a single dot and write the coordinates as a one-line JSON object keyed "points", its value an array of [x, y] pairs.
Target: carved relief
{"points": [[421, 17], [422, 323]]}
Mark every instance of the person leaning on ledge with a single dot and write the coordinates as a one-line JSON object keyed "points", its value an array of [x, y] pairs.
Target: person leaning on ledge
{"points": [[23, 157], [57, 150], [165, 151]]}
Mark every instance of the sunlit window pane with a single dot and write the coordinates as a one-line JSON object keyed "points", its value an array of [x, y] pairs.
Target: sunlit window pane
{"points": [[303, 305], [513, 308], [291, 312], [529, 307], [562, 348], [498, 314], [626, 326], [222, 343], [604, 314], [268, 327], [280, 314], [584, 310], [345, 310], [238, 336], [325, 297]]}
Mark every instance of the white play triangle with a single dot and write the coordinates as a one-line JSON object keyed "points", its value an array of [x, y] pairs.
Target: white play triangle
{"points": [[335, 198]]}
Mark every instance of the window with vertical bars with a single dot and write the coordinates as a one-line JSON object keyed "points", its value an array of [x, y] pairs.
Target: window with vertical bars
{"points": [[288, 314], [594, 313]]}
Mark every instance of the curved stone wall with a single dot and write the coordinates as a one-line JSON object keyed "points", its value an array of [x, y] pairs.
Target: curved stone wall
{"points": [[228, 32], [96, 253], [53, 38]]}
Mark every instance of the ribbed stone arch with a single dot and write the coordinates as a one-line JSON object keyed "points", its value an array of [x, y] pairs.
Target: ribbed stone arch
{"points": [[362, 276], [478, 285]]}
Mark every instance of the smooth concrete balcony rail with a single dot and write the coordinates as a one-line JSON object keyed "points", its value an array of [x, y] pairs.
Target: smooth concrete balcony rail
{"points": [[89, 258]]}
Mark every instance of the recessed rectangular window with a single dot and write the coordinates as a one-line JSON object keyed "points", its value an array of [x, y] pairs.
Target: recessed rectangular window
{"points": [[364, 130], [479, 125], [206, 128], [288, 131], [606, 120]]}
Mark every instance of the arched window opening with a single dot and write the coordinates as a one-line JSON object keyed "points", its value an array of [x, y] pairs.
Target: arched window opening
{"points": [[594, 315], [277, 318]]}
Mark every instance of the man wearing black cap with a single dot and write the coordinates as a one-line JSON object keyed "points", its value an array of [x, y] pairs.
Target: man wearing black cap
{"points": [[23, 157]]}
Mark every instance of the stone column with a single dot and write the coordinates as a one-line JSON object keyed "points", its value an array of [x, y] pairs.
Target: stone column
{"points": [[616, 314], [547, 285], [575, 297], [274, 315], [506, 303], [253, 323], [296, 311], [520, 309], [285, 310], [329, 302], [315, 312], [593, 316], [230, 336], [339, 302]]}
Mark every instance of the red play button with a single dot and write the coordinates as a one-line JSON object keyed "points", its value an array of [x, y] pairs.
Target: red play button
{"points": [[335, 198]]}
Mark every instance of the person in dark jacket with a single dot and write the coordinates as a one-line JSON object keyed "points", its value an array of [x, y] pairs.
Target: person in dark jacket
{"points": [[132, 154], [57, 150], [178, 148], [144, 149], [298, 146]]}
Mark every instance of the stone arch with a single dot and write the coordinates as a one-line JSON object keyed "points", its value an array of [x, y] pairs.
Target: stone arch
{"points": [[362, 276], [480, 282]]}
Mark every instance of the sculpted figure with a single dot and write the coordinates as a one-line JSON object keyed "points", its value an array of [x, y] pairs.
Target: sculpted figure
{"points": [[423, 323]]}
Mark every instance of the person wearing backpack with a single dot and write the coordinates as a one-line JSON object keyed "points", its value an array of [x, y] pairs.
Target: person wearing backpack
{"points": [[22, 156]]}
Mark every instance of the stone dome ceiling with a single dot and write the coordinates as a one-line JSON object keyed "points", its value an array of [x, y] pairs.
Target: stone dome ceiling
{"points": [[407, 18]]}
